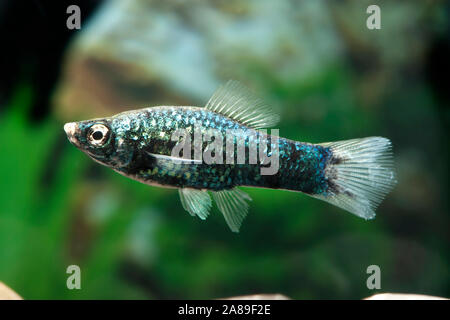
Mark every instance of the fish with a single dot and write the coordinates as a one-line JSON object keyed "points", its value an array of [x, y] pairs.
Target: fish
{"points": [[154, 146]]}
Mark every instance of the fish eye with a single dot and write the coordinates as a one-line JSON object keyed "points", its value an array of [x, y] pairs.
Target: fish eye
{"points": [[98, 134]]}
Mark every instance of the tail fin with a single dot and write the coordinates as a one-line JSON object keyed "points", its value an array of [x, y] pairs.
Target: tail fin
{"points": [[360, 174]]}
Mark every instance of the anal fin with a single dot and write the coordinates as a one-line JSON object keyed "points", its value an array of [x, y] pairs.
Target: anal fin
{"points": [[233, 205]]}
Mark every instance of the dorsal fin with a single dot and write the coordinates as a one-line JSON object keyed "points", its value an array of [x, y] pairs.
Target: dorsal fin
{"points": [[236, 102]]}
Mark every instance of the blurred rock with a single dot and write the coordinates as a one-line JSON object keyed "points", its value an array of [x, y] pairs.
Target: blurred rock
{"points": [[266, 296], [140, 53], [7, 293], [380, 296], [402, 296]]}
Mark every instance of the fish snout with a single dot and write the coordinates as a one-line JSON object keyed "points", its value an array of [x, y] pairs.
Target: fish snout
{"points": [[71, 128]]}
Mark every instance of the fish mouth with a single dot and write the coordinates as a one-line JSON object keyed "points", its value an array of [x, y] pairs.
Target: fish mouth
{"points": [[71, 128]]}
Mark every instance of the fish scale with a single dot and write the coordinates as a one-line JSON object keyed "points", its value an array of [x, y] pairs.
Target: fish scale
{"points": [[205, 176], [354, 174]]}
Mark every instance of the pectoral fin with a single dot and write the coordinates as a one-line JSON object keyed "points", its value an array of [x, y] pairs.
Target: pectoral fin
{"points": [[175, 160], [233, 205]]}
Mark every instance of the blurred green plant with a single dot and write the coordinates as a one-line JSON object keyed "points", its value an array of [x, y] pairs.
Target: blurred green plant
{"points": [[39, 178]]}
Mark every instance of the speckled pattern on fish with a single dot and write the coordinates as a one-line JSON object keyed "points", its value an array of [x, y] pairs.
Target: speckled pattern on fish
{"points": [[353, 174]]}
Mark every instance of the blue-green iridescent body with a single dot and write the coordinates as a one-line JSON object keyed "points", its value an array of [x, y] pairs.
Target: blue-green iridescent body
{"points": [[144, 145], [138, 134]]}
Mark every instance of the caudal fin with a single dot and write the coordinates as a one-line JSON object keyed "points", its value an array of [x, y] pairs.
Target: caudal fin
{"points": [[360, 174]]}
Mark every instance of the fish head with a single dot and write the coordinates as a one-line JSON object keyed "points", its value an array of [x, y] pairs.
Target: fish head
{"points": [[98, 139]]}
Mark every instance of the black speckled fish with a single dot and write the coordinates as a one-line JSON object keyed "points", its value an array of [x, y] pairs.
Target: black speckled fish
{"points": [[354, 174]]}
